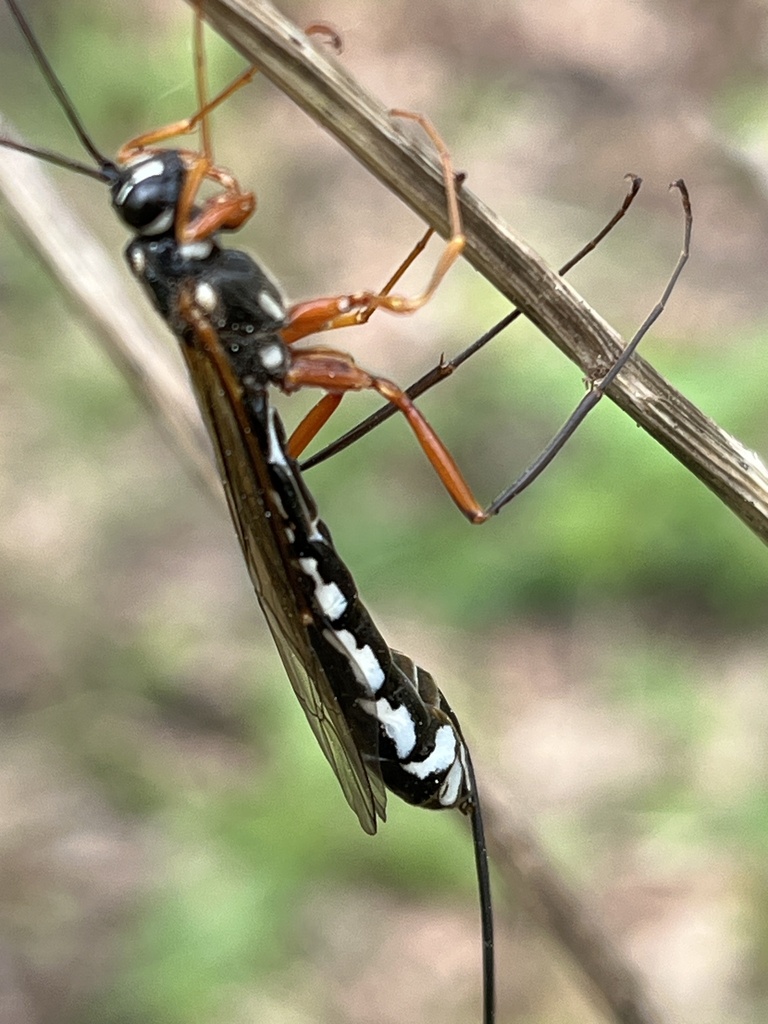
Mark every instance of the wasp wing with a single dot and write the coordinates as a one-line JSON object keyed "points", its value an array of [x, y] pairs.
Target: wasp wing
{"points": [[257, 516]]}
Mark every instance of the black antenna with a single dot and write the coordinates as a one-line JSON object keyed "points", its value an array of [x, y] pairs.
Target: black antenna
{"points": [[588, 402], [598, 387], [446, 368], [60, 93], [100, 174]]}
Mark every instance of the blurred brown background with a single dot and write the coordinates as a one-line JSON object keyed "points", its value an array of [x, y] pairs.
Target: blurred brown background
{"points": [[173, 847]]}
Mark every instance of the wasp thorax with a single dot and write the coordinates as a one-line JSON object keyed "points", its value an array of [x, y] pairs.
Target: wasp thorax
{"points": [[146, 195]]}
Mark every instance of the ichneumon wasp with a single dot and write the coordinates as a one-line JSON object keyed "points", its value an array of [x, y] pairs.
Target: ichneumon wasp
{"points": [[378, 718]]}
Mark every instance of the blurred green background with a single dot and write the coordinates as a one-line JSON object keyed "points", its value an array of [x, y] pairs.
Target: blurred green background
{"points": [[174, 847]]}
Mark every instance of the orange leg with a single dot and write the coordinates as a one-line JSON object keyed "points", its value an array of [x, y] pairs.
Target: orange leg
{"points": [[317, 315], [201, 81], [231, 208], [310, 320], [338, 374], [415, 252], [312, 423], [148, 140], [227, 210], [333, 312]]}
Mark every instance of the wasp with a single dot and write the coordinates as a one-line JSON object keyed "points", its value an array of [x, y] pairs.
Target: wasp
{"points": [[380, 719]]}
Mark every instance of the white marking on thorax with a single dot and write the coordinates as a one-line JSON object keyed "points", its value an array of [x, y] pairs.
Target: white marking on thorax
{"points": [[206, 297], [328, 595], [272, 356], [138, 262], [271, 306], [441, 758], [196, 250], [362, 659]]}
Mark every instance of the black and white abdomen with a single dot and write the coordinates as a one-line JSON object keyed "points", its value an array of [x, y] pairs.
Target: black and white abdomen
{"points": [[393, 706], [427, 765]]}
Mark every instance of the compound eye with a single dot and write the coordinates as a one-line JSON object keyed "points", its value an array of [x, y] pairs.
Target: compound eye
{"points": [[147, 194], [143, 211]]}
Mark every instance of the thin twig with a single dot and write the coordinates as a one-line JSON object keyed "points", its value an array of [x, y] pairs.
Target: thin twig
{"points": [[321, 87]]}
